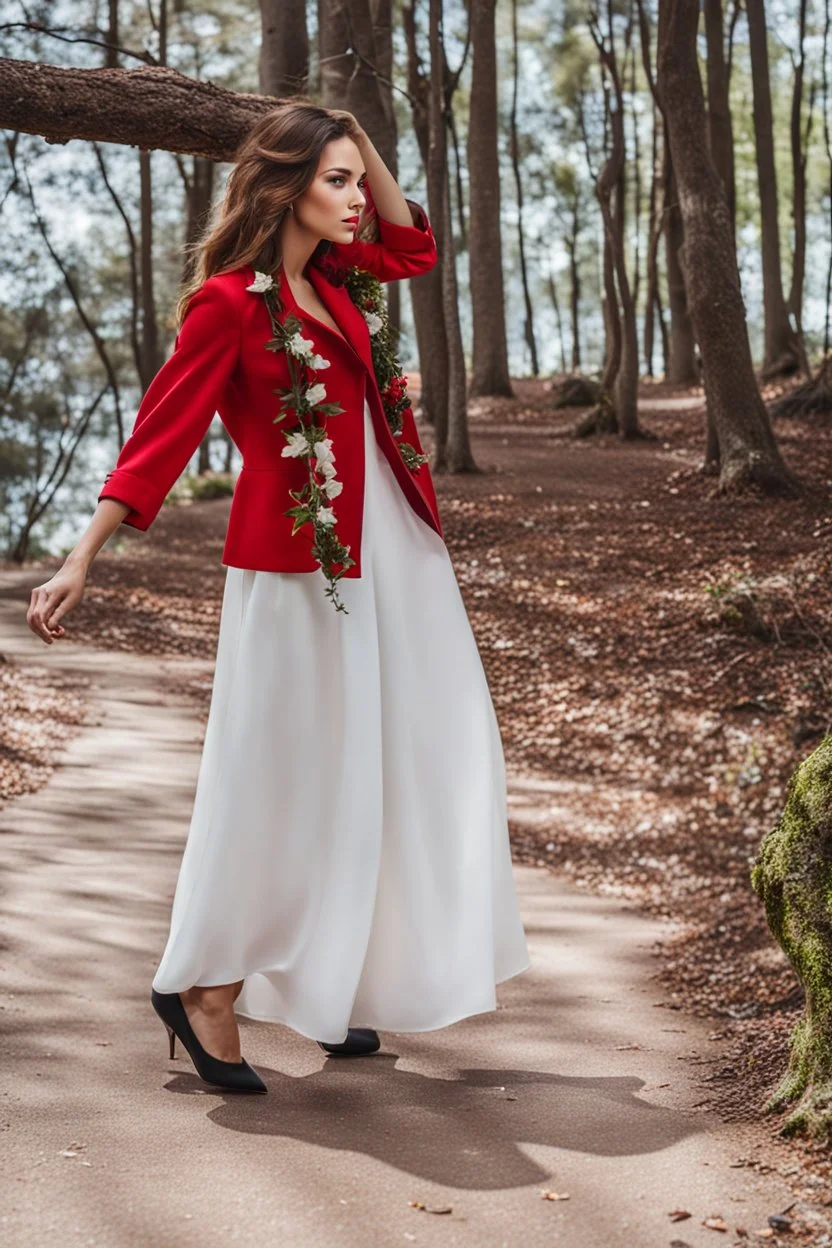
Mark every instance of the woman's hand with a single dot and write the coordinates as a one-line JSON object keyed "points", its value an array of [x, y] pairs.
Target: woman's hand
{"points": [[50, 601], [356, 129]]}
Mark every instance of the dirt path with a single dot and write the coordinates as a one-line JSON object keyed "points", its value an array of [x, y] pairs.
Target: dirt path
{"points": [[576, 1085]]}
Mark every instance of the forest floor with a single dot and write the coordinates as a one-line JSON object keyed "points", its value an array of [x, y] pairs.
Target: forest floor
{"points": [[649, 734]]}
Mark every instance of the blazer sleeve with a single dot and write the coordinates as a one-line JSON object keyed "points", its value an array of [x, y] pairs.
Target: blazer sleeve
{"points": [[178, 405], [403, 250]]}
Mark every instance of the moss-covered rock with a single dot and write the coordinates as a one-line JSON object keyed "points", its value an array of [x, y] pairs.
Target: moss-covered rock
{"points": [[793, 876]]}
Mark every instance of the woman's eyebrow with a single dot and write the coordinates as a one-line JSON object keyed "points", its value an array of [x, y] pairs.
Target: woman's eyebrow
{"points": [[341, 169]]}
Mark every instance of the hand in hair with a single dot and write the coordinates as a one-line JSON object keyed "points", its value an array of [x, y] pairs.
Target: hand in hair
{"points": [[342, 114]]}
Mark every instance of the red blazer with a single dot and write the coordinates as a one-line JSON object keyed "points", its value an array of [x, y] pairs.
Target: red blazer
{"points": [[220, 364]]}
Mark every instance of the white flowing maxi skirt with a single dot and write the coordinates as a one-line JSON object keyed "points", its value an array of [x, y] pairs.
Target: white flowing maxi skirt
{"points": [[348, 854]]}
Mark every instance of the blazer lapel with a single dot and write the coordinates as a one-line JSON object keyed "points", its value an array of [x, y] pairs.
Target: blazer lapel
{"points": [[343, 311], [355, 336]]}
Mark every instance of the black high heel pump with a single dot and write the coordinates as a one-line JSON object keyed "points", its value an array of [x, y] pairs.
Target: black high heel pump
{"points": [[232, 1076], [359, 1040]]}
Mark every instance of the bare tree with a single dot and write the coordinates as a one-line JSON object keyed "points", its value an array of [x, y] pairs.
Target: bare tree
{"points": [[528, 323], [781, 352], [454, 452], [748, 451], [426, 290], [489, 356], [610, 188], [660, 172], [799, 149], [814, 397]]}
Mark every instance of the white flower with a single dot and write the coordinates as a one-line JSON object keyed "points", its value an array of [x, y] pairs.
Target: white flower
{"points": [[374, 322], [315, 394], [262, 281], [325, 515], [328, 469], [318, 362], [333, 488], [323, 450], [297, 445], [299, 346]]}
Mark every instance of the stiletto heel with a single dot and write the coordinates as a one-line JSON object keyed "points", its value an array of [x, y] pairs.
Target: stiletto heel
{"points": [[360, 1040], [232, 1076]]}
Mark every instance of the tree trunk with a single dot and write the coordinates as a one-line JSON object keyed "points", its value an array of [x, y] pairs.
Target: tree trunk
{"points": [[652, 305], [720, 128], [426, 290], [794, 304], [610, 187], [612, 323], [149, 358], [346, 43], [528, 321], [383, 37], [781, 354], [355, 46], [575, 286], [200, 196], [682, 369], [455, 453], [489, 367], [284, 48], [553, 293], [111, 50], [748, 451]]}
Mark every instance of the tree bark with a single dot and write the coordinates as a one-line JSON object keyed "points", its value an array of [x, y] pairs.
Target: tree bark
{"points": [[794, 304], [346, 42], [575, 284], [151, 107], [652, 303], [455, 453], [748, 451], [679, 345], [383, 38], [149, 359], [682, 367], [553, 293], [720, 127], [426, 291], [781, 354], [284, 48], [489, 358], [528, 321], [610, 186]]}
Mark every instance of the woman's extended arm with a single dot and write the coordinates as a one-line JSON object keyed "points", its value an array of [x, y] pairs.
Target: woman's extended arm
{"points": [[173, 417]]}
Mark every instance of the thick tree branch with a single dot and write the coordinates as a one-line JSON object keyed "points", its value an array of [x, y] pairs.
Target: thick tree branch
{"points": [[150, 107]]}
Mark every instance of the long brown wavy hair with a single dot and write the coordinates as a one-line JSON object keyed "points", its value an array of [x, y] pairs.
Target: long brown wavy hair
{"points": [[274, 164]]}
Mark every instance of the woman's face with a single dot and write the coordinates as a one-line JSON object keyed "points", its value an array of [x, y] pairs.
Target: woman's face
{"points": [[334, 194]]}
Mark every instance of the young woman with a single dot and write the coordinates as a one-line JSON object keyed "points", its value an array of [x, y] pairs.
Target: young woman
{"points": [[347, 865]]}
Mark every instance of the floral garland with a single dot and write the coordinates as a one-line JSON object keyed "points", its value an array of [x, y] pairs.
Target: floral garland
{"points": [[307, 439]]}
